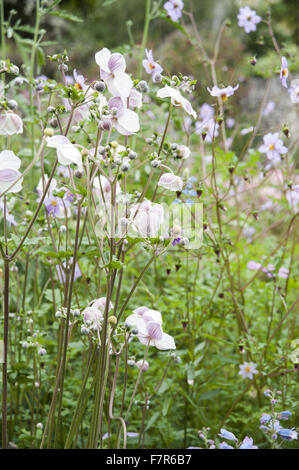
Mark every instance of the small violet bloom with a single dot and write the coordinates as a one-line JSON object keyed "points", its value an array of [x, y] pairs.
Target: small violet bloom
{"points": [[247, 370], [112, 67], [223, 93], [151, 67], [174, 9], [227, 435], [273, 147], [284, 72], [248, 19], [288, 434]]}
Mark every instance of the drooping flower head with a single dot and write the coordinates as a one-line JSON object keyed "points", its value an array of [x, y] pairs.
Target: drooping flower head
{"points": [[10, 123], [248, 19], [224, 93], [177, 99], [67, 153], [174, 9], [9, 166], [125, 121], [147, 218], [284, 72], [113, 68], [171, 182], [151, 67]]}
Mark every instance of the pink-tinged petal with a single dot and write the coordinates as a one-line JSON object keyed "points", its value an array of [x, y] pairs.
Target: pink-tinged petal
{"points": [[102, 58], [120, 85], [10, 123], [154, 330], [9, 175], [116, 63], [129, 120], [57, 141], [152, 315], [9, 160], [165, 343], [117, 103], [140, 311], [137, 322]]}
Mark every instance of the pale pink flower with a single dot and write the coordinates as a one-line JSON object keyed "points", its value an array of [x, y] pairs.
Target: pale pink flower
{"points": [[149, 325], [135, 99], [247, 370], [9, 166], [142, 365], [10, 123], [171, 182], [147, 218], [125, 121], [113, 68], [174, 9], [102, 188]]}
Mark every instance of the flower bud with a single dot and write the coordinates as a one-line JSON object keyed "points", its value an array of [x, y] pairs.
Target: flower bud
{"points": [[48, 132], [100, 86]]}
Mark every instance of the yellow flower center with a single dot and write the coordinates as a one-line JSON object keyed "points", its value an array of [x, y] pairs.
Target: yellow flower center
{"points": [[284, 72], [272, 147], [54, 203], [151, 66], [78, 86], [247, 369], [224, 96]]}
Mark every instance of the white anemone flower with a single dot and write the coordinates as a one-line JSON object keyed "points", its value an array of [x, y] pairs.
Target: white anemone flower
{"points": [[67, 153], [149, 325], [9, 166], [248, 19], [171, 182], [113, 68], [147, 218], [125, 121], [176, 99], [10, 123]]}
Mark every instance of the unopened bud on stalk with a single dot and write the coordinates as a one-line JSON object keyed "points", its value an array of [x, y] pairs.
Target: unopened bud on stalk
{"points": [[99, 86], [53, 123], [48, 132], [112, 320]]}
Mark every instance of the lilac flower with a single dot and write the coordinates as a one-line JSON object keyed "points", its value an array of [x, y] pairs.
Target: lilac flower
{"points": [[253, 265], [247, 370], [9, 172], [288, 434], [224, 445], [284, 72], [273, 147], [248, 19], [151, 67], [227, 435], [248, 443], [285, 415], [283, 273], [269, 108], [113, 68], [61, 274], [174, 9], [224, 93], [54, 206], [265, 418], [9, 217], [125, 121]]}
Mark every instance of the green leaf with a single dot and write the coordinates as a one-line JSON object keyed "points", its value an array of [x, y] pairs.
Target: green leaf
{"points": [[66, 15]]}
